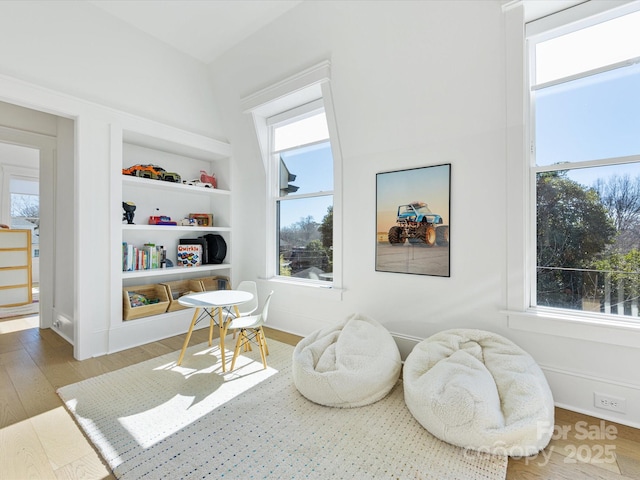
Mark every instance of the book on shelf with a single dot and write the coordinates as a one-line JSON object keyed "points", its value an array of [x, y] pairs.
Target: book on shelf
{"points": [[146, 257]]}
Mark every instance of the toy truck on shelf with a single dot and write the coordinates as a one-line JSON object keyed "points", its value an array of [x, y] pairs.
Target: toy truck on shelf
{"points": [[151, 171], [419, 225]]}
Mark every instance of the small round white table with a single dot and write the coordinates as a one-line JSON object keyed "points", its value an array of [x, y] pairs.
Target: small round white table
{"points": [[206, 304]]}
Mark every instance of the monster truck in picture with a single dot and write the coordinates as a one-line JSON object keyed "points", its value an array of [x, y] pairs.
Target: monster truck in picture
{"points": [[416, 223]]}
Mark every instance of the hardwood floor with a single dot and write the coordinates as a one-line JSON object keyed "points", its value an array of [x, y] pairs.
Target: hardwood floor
{"points": [[40, 440]]}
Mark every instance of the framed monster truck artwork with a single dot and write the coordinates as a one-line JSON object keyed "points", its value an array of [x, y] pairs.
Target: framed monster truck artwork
{"points": [[412, 220]]}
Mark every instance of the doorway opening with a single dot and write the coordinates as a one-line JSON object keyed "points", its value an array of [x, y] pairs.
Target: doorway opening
{"points": [[20, 210]]}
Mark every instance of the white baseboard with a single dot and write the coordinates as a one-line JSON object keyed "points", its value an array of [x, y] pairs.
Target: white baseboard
{"points": [[132, 333], [575, 391], [63, 326], [405, 343]]}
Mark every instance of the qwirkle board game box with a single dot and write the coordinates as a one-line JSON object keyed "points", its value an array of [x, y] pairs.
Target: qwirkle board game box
{"points": [[189, 255]]}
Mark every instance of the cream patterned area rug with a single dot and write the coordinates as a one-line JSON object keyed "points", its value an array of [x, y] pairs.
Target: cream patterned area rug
{"points": [[156, 420]]}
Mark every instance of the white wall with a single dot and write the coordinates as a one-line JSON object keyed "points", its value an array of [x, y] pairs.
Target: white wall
{"points": [[414, 84], [72, 60], [64, 259], [76, 48]]}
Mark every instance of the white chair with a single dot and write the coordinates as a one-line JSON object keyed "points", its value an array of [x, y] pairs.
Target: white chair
{"points": [[250, 330], [248, 308]]}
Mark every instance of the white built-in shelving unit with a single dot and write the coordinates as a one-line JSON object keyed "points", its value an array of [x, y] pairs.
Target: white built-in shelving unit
{"points": [[185, 154]]}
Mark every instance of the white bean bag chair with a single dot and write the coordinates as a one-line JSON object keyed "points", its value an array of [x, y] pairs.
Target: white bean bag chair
{"points": [[351, 364], [479, 390]]}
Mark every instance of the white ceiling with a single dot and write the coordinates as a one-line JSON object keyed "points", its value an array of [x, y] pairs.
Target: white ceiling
{"points": [[203, 29]]}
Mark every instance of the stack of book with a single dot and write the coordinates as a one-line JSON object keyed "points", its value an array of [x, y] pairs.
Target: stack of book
{"points": [[142, 258]]}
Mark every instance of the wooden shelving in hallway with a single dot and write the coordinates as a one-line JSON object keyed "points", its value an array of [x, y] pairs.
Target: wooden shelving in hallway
{"points": [[39, 439]]}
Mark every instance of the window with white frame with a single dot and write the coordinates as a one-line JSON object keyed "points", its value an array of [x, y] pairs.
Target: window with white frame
{"points": [[302, 186], [584, 172], [298, 138]]}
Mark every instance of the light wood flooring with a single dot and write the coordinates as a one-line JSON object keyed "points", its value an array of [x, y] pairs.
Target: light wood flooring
{"points": [[40, 440]]}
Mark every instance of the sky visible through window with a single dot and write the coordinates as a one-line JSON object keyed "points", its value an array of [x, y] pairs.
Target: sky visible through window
{"points": [[585, 50], [313, 168], [301, 132], [597, 116]]}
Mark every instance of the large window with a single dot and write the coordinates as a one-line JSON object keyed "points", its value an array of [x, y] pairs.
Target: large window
{"points": [[585, 164], [303, 200], [298, 138]]}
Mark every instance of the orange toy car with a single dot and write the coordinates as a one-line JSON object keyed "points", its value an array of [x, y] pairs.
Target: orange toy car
{"points": [[151, 171]]}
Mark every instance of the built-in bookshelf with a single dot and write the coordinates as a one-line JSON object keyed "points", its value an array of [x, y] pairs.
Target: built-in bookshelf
{"points": [[180, 201], [187, 155]]}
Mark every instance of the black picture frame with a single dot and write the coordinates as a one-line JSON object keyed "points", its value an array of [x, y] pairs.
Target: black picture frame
{"points": [[413, 221]]}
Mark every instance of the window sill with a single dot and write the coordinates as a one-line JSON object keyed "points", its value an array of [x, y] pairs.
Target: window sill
{"points": [[583, 327], [315, 290]]}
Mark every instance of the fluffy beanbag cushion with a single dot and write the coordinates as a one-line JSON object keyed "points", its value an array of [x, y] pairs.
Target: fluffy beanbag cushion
{"points": [[351, 364], [478, 390]]}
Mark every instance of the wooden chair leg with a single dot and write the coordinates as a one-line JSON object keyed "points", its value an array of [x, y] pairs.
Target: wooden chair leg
{"points": [[236, 351], [235, 307], [222, 328], [237, 316], [243, 341], [264, 342], [261, 346]]}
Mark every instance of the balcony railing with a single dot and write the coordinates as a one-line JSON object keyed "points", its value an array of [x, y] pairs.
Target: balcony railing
{"points": [[600, 291]]}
